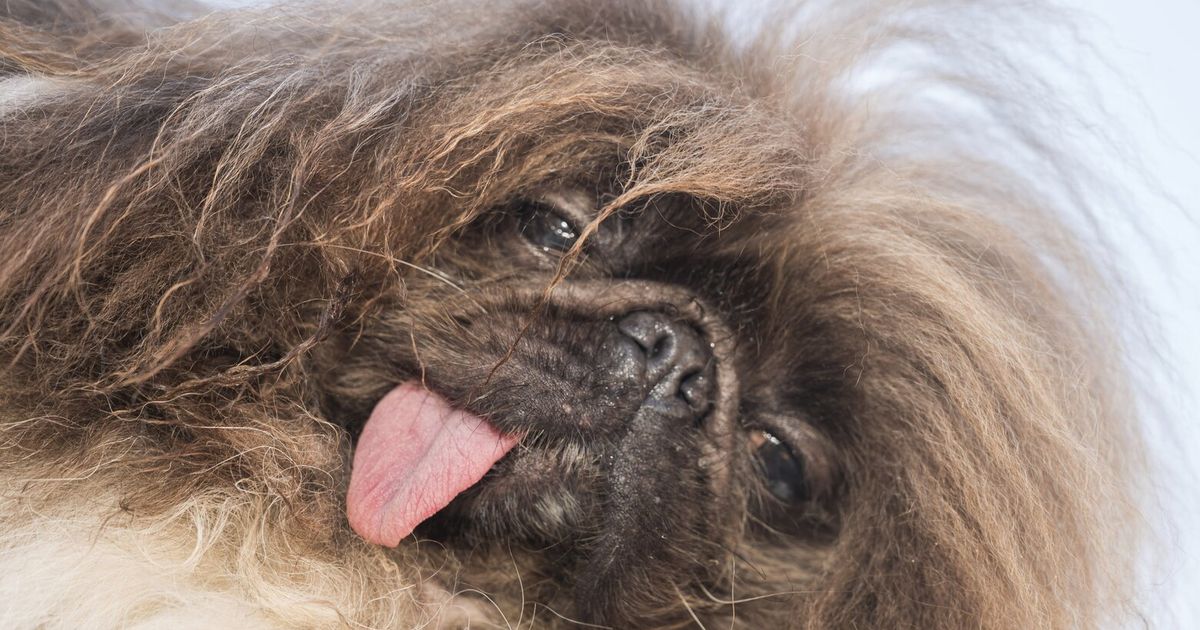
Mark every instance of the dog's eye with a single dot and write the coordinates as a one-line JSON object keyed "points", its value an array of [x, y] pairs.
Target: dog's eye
{"points": [[546, 229], [781, 468]]}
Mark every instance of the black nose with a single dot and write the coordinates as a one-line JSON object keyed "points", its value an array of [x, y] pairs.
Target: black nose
{"points": [[678, 361]]}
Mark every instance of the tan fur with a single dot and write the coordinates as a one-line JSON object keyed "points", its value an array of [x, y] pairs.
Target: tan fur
{"points": [[185, 241]]}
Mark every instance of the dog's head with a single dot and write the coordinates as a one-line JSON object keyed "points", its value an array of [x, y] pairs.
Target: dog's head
{"points": [[580, 305]]}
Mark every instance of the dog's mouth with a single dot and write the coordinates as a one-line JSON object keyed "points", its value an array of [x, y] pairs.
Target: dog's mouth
{"points": [[416, 454]]}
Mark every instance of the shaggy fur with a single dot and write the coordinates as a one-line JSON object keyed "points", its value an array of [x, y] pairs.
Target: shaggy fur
{"points": [[223, 238]]}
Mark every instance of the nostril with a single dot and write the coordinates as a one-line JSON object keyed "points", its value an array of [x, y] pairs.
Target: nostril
{"points": [[659, 346], [695, 389], [662, 347], [675, 360]]}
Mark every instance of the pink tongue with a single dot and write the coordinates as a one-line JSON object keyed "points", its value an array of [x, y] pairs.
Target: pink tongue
{"points": [[416, 453]]}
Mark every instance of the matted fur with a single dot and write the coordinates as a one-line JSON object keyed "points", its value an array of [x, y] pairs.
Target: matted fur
{"points": [[198, 218]]}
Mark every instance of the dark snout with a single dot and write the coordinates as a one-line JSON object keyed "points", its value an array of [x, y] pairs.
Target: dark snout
{"points": [[674, 360]]}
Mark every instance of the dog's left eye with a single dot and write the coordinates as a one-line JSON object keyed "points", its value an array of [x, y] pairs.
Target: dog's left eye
{"points": [[782, 469], [546, 229]]}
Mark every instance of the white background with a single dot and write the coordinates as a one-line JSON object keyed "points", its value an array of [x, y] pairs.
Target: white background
{"points": [[1150, 86], [1154, 49]]}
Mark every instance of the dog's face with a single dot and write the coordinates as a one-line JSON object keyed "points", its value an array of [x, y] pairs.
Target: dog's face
{"points": [[657, 410], [574, 307]]}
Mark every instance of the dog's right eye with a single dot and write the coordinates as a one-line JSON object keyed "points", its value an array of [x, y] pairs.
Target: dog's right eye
{"points": [[781, 468], [546, 229]]}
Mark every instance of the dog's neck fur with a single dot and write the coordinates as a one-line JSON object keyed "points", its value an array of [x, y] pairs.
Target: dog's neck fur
{"points": [[97, 567]]}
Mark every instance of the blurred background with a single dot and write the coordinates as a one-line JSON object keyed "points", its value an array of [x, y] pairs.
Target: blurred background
{"points": [[1145, 68], [1141, 59]]}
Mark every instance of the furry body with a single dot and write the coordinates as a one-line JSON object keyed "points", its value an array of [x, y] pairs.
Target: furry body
{"points": [[221, 241]]}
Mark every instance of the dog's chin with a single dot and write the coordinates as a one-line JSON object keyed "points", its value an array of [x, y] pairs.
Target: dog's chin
{"points": [[575, 512], [602, 516], [545, 495], [535, 497]]}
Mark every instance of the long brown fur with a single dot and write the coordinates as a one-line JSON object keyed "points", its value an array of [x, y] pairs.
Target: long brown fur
{"points": [[197, 219]]}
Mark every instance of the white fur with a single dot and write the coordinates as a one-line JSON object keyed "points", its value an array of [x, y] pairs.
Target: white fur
{"points": [[19, 92], [88, 565], [62, 572]]}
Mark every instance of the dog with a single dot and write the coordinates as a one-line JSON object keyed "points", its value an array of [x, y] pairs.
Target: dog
{"points": [[402, 314]]}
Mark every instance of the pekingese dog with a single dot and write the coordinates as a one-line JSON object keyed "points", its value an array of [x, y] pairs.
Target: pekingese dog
{"points": [[542, 314]]}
